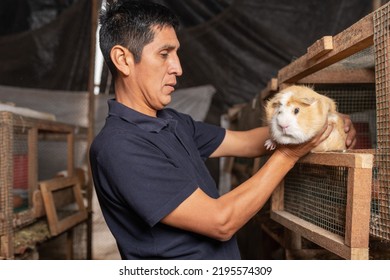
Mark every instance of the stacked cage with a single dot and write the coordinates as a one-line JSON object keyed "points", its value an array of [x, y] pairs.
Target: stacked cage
{"points": [[326, 196], [25, 162], [380, 222], [16, 189]]}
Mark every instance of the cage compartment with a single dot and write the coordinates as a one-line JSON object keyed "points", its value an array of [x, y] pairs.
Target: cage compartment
{"points": [[326, 199]]}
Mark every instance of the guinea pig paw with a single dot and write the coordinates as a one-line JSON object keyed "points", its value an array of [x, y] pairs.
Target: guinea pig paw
{"points": [[270, 145]]}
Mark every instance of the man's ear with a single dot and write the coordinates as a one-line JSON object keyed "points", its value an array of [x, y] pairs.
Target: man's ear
{"points": [[122, 58]]}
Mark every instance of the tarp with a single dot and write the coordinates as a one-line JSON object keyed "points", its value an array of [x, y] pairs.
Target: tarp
{"points": [[45, 44]]}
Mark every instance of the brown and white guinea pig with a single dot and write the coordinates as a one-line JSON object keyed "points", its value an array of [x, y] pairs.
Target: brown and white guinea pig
{"points": [[298, 113]]}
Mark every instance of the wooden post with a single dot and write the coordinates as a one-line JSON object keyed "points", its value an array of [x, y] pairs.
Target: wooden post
{"points": [[357, 210], [91, 119], [6, 173]]}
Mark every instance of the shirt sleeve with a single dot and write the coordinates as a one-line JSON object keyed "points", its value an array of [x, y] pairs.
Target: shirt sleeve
{"points": [[207, 137]]}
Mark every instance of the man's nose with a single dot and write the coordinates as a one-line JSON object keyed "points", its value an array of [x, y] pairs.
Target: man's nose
{"points": [[175, 67]]}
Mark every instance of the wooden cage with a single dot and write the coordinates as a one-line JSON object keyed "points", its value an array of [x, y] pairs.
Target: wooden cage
{"points": [[351, 67], [21, 202]]}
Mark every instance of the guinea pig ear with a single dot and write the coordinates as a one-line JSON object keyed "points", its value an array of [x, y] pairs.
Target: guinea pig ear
{"points": [[332, 104], [271, 106], [308, 101], [276, 104]]}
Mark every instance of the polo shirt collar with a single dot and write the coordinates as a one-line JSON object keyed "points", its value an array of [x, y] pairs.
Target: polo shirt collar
{"points": [[143, 121]]}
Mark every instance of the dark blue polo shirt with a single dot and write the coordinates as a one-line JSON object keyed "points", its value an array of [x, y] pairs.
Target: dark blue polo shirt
{"points": [[143, 168]]}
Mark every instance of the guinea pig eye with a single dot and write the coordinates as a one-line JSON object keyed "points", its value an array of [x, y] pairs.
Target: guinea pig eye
{"points": [[296, 111]]}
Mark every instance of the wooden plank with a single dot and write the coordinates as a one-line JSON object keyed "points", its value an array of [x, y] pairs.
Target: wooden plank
{"points": [[347, 159], [350, 41], [340, 76], [359, 254], [70, 153], [358, 212], [320, 48], [320, 236]]}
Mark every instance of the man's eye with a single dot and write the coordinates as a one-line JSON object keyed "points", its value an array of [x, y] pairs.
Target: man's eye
{"points": [[164, 54]]}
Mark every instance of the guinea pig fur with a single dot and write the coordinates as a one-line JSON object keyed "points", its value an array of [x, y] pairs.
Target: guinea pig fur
{"points": [[298, 113]]}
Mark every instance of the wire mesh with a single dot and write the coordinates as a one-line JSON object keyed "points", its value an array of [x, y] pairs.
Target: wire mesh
{"points": [[357, 101], [5, 177], [380, 217], [317, 194], [21, 194]]}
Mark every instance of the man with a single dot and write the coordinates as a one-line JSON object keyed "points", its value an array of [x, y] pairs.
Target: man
{"points": [[155, 191]]}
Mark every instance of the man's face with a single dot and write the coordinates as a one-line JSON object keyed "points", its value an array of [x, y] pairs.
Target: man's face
{"points": [[155, 75]]}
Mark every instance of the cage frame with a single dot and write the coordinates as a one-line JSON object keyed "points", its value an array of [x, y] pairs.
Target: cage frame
{"points": [[48, 187], [36, 129], [354, 244]]}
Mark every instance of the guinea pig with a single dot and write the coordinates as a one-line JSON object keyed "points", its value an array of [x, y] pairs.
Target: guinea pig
{"points": [[298, 113]]}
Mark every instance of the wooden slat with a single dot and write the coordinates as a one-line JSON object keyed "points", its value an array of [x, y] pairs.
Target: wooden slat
{"points": [[357, 226], [70, 154], [322, 237], [320, 48], [340, 76], [347, 159], [350, 41]]}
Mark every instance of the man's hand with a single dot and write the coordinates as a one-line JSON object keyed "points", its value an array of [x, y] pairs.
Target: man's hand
{"points": [[350, 142]]}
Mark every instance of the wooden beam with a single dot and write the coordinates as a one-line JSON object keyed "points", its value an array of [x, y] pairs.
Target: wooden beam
{"points": [[346, 159], [358, 212], [340, 76], [320, 236], [320, 48]]}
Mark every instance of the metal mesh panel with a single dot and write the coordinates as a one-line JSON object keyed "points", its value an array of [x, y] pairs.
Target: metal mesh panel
{"points": [[15, 193], [380, 226], [21, 193], [319, 196], [5, 177], [357, 101]]}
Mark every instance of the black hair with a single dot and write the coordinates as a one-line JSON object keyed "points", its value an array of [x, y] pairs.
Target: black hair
{"points": [[130, 24]]}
